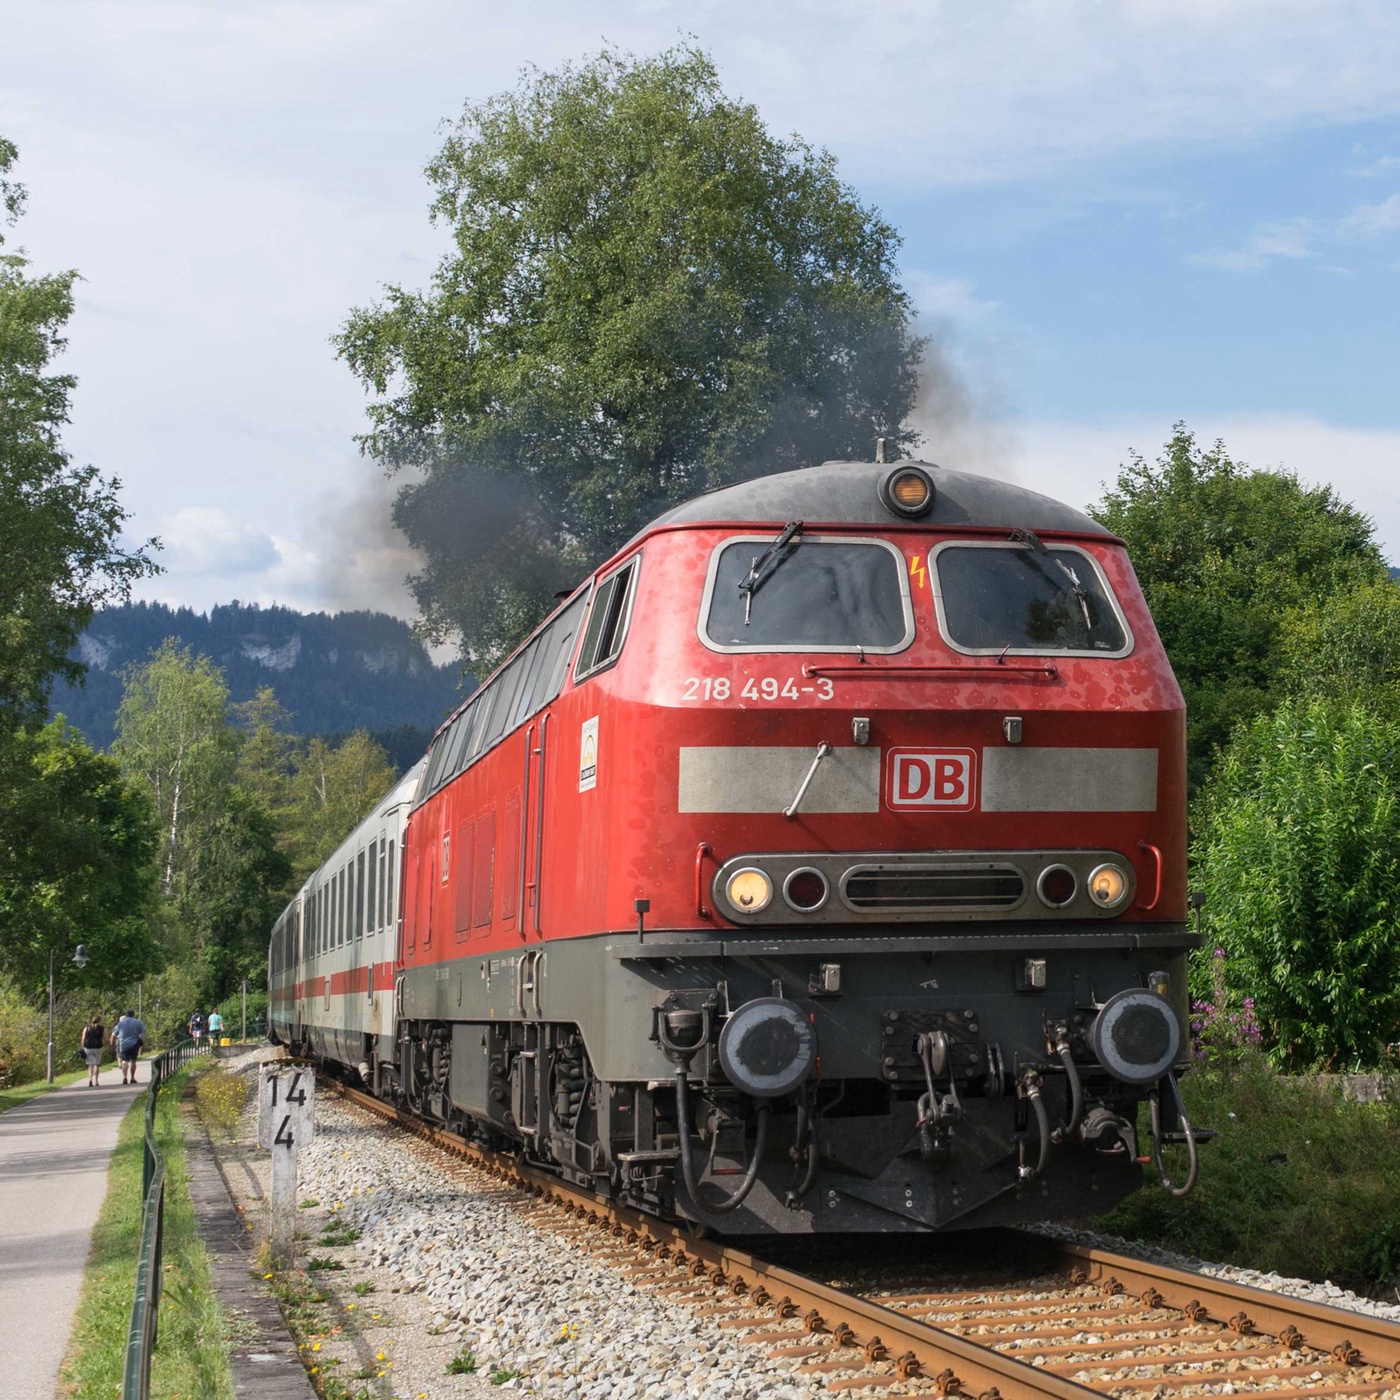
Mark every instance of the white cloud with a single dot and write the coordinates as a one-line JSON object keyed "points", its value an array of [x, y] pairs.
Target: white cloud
{"points": [[1372, 220], [1075, 461], [1288, 238], [206, 540]]}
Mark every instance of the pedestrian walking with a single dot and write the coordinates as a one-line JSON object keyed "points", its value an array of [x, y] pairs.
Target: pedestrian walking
{"points": [[216, 1027], [128, 1040], [197, 1028], [93, 1038]]}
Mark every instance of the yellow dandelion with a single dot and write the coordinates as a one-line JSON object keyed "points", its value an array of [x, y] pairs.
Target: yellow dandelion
{"points": [[315, 1346], [380, 1357]]}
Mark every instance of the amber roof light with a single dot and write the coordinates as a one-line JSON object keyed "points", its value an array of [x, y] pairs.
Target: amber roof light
{"points": [[908, 490]]}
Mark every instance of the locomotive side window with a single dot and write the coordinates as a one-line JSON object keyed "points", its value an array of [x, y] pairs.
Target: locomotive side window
{"points": [[824, 594], [607, 622], [1026, 599]]}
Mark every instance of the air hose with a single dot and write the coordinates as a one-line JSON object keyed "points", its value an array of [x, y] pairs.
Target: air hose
{"points": [[1187, 1131], [731, 1200], [1076, 1091], [1030, 1089]]}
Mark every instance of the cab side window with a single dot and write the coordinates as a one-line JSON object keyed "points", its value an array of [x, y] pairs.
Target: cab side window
{"points": [[607, 622]]}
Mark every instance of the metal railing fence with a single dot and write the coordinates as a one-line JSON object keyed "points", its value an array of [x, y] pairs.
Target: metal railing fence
{"points": [[141, 1336]]}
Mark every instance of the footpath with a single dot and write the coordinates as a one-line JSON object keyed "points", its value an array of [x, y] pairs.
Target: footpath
{"points": [[54, 1153]]}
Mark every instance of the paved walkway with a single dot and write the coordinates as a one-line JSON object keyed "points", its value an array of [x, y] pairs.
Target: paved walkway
{"points": [[54, 1152]]}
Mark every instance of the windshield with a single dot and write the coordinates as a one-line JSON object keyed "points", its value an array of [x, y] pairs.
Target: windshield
{"points": [[1019, 599], [828, 595]]}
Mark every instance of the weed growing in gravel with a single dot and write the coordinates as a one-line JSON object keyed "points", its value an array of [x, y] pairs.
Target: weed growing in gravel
{"points": [[502, 1376], [338, 1233], [221, 1097], [362, 1288], [319, 1262], [308, 1205], [463, 1364], [1300, 1180]]}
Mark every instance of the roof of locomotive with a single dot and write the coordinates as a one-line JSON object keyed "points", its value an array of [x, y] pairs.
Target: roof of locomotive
{"points": [[847, 493]]}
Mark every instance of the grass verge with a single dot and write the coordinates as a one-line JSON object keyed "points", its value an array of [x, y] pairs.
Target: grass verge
{"points": [[22, 1093], [191, 1358], [1300, 1181]]}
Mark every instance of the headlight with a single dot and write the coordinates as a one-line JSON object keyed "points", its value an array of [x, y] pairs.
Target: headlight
{"points": [[1108, 886], [749, 890], [908, 491]]}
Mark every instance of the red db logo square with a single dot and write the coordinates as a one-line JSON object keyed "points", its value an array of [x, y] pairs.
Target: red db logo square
{"points": [[942, 779]]}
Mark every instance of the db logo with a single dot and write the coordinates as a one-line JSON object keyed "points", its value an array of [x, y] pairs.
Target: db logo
{"points": [[941, 778]]}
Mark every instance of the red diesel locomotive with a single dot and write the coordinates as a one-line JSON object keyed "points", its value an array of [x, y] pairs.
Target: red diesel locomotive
{"points": [[818, 865]]}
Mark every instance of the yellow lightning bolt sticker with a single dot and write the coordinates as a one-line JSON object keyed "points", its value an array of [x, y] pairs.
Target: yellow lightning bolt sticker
{"points": [[917, 571]]}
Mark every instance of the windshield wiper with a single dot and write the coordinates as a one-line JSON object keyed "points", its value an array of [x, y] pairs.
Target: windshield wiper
{"points": [[1035, 543], [768, 563]]}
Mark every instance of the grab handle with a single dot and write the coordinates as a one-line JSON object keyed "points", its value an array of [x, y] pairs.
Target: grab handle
{"points": [[1157, 886]]}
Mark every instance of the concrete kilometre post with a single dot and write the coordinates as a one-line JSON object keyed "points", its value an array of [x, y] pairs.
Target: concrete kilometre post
{"points": [[286, 1120]]}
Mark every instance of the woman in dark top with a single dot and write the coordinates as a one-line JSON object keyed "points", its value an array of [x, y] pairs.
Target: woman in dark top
{"points": [[94, 1037]]}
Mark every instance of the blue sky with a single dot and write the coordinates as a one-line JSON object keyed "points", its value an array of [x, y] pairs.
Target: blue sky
{"points": [[1116, 215]]}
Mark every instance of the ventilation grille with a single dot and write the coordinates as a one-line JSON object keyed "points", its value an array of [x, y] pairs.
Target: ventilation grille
{"points": [[910, 888]]}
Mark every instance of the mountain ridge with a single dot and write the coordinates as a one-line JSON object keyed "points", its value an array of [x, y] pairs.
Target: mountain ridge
{"points": [[334, 672]]}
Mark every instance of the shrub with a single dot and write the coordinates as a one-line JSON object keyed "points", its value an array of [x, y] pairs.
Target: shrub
{"points": [[1299, 1180], [1298, 850], [23, 1038]]}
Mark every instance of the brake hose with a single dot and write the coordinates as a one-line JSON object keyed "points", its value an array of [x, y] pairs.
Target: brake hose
{"points": [[1187, 1131], [1076, 1092], [733, 1199], [1031, 1090]]}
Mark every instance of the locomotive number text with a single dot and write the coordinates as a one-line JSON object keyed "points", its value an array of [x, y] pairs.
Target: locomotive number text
{"points": [[756, 688]]}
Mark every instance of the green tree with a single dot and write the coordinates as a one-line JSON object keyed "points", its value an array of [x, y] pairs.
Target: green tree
{"points": [[1347, 647], [1298, 850], [60, 524], [222, 873], [648, 295], [77, 846], [333, 789], [175, 738], [1223, 554], [266, 751]]}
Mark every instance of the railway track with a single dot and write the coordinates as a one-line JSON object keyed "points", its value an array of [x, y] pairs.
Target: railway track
{"points": [[1088, 1322]]}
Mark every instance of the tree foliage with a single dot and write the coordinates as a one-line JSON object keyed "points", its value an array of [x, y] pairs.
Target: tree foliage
{"points": [[77, 844], [60, 525], [648, 294], [1347, 647], [1298, 850], [1223, 554]]}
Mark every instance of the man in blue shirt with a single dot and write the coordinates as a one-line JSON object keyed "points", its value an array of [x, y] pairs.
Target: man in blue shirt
{"points": [[128, 1040], [216, 1027]]}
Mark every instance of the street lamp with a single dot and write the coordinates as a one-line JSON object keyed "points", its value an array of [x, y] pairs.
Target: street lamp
{"points": [[81, 959]]}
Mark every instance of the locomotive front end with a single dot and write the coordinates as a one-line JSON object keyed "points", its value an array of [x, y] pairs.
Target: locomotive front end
{"points": [[912, 939]]}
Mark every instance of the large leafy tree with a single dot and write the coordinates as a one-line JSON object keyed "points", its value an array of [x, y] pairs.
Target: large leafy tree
{"points": [[61, 554], [648, 294], [1224, 554], [77, 846], [1298, 850]]}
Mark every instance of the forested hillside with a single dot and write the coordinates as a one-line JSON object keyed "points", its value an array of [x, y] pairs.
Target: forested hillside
{"points": [[334, 674]]}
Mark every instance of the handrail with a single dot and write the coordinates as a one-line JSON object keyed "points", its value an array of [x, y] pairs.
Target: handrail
{"points": [[145, 1306]]}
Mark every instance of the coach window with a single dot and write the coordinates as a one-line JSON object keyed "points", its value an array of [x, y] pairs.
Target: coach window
{"points": [[607, 621], [815, 594], [359, 928], [1026, 599], [341, 917]]}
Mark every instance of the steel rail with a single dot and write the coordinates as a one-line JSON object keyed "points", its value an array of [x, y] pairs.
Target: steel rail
{"points": [[1317, 1325], [838, 1326]]}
